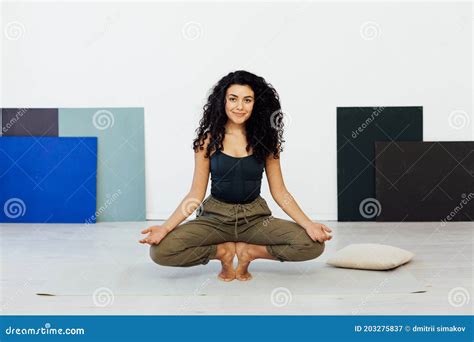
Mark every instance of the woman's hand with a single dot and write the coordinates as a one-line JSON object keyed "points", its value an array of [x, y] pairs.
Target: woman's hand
{"points": [[156, 234], [318, 232]]}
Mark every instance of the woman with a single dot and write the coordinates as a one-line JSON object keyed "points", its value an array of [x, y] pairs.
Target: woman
{"points": [[243, 118]]}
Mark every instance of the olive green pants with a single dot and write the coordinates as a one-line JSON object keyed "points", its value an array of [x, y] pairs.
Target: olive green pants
{"points": [[195, 242]]}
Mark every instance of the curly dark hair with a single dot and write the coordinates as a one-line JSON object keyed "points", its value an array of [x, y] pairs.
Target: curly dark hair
{"points": [[264, 128]]}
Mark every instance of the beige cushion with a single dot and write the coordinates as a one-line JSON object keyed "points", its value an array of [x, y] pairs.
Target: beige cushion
{"points": [[370, 256]]}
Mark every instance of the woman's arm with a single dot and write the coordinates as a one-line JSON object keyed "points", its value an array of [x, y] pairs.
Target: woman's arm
{"points": [[280, 193], [197, 193], [189, 203], [287, 202]]}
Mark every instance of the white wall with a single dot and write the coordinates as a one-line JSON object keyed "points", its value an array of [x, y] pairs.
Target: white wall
{"points": [[315, 54]]}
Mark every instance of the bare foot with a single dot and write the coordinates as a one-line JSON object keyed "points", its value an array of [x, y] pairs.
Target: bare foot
{"points": [[225, 253], [244, 256]]}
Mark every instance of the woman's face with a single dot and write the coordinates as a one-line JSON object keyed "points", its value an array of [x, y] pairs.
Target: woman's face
{"points": [[239, 101]]}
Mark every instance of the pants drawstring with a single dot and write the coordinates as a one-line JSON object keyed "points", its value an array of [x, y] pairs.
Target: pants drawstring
{"points": [[237, 207]]}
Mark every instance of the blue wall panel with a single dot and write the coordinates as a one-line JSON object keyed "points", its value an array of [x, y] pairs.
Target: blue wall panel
{"points": [[48, 179]]}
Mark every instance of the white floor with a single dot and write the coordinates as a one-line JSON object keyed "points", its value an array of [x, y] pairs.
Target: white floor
{"points": [[49, 269]]}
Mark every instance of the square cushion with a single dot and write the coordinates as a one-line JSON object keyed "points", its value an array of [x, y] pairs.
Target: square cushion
{"points": [[370, 256]]}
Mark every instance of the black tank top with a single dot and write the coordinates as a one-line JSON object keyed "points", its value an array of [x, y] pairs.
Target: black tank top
{"points": [[235, 179]]}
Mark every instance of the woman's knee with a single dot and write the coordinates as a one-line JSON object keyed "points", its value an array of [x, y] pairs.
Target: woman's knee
{"points": [[162, 254], [312, 250]]}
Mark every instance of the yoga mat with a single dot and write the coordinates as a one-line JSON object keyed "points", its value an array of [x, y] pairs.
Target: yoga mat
{"points": [[30, 122], [425, 181], [145, 278], [358, 128], [47, 179], [121, 157]]}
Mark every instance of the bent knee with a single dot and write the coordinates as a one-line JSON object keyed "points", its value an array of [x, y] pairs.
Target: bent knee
{"points": [[162, 255], [313, 250]]}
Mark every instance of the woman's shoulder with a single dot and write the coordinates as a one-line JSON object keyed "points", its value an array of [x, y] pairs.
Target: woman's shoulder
{"points": [[205, 141]]}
